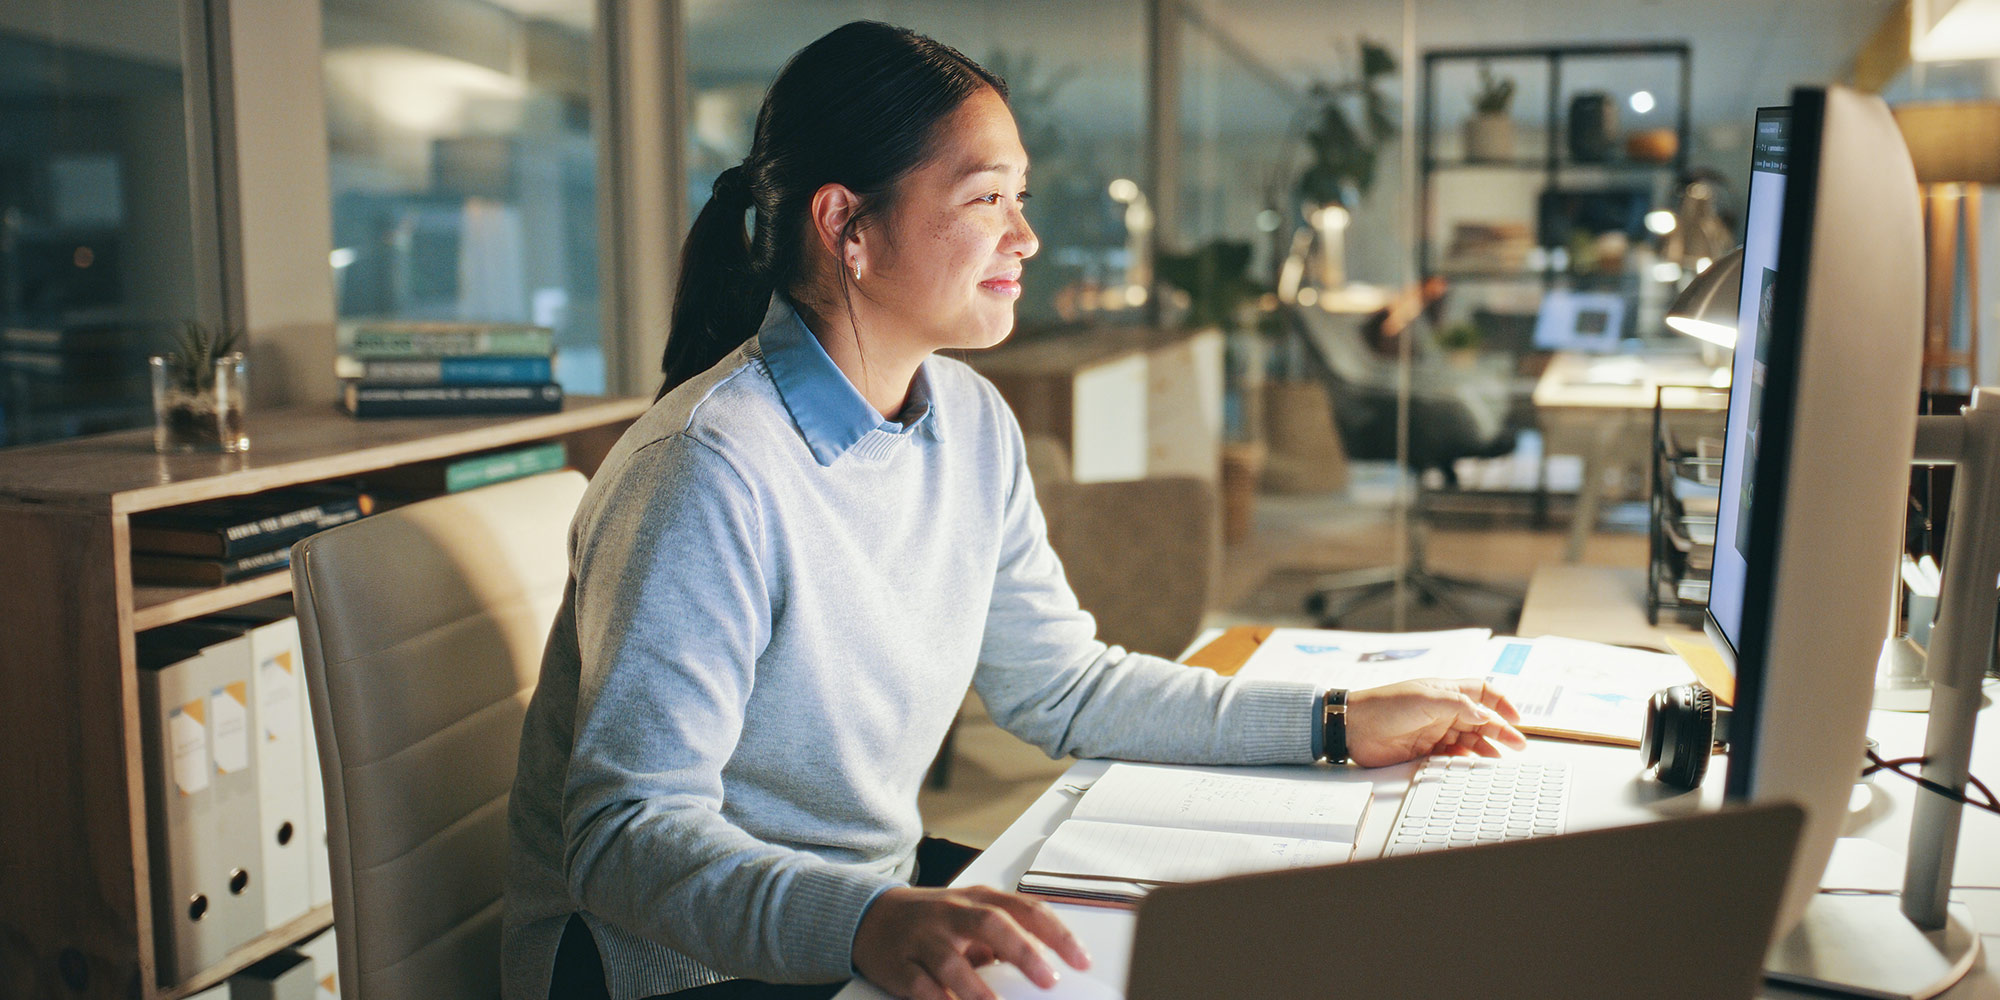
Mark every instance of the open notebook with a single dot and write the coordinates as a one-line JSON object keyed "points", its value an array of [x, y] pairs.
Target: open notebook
{"points": [[1139, 827]]}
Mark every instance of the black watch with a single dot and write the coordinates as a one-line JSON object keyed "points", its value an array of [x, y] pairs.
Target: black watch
{"points": [[1334, 723]]}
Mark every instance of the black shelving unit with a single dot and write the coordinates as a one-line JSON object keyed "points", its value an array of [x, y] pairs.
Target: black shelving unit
{"points": [[1678, 561], [1559, 173]]}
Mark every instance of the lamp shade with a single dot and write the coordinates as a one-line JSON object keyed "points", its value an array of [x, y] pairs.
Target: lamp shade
{"points": [[1953, 143], [1706, 308]]}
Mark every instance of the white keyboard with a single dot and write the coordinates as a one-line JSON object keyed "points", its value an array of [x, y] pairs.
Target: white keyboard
{"points": [[1461, 801]]}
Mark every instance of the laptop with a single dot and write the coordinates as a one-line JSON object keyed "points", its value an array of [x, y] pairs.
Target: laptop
{"points": [[1670, 909]]}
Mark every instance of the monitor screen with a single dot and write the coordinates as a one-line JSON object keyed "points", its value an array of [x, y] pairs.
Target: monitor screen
{"points": [[1770, 149]]}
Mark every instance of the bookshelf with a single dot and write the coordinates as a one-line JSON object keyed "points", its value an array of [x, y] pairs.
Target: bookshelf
{"points": [[75, 885]]}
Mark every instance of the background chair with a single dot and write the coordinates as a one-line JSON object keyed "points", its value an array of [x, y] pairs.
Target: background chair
{"points": [[1454, 413], [1141, 555], [423, 630]]}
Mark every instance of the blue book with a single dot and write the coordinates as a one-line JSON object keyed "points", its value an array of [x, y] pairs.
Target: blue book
{"points": [[467, 370]]}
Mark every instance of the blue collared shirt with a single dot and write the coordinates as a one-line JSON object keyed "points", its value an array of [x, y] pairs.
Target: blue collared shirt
{"points": [[828, 409]]}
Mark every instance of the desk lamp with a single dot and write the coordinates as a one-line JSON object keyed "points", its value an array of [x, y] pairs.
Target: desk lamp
{"points": [[1706, 308]]}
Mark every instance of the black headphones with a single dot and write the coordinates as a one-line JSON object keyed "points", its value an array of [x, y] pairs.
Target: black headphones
{"points": [[1683, 727]]}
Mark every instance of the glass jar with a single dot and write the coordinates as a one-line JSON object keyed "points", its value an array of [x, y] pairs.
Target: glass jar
{"points": [[205, 417]]}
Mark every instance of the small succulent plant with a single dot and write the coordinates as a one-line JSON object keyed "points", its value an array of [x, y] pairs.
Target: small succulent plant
{"points": [[195, 348], [1495, 94]]}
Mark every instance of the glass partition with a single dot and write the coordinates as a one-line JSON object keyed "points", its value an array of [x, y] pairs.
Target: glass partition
{"points": [[1076, 73], [1462, 363], [463, 166], [97, 253]]}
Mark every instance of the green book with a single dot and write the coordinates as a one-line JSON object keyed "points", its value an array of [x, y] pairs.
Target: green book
{"points": [[377, 341], [485, 470], [458, 475]]}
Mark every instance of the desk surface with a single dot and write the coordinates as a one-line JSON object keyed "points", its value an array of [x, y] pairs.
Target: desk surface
{"points": [[1599, 603], [1880, 814], [1626, 382]]}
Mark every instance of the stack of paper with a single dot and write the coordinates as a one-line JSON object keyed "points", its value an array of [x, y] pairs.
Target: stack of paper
{"points": [[1563, 687], [1139, 827]]}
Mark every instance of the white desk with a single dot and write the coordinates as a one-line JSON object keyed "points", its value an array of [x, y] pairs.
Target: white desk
{"points": [[1107, 933], [1593, 404]]}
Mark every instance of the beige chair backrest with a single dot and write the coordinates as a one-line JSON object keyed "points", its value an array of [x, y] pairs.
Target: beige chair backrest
{"points": [[423, 630]]}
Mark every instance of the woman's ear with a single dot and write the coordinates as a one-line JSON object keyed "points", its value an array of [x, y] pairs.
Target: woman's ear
{"points": [[834, 212]]}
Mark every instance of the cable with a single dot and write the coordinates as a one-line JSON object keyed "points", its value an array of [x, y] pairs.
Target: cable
{"points": [[1876, 763]]}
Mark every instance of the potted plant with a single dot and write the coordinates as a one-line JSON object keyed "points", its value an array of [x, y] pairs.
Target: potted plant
{"points": [[198, 392], [1489, 133], [1344, 148], [1460, 343], [1352, 121]]}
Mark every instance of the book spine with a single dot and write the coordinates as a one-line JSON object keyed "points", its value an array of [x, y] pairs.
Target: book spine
{"points": [[184, 571], [463, 370], [283, 529], [369, 400], [377, 344], [262, 562], [485, 470]]}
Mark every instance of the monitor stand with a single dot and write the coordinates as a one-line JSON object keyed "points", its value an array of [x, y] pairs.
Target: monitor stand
{"points": [[1874, 944], [1862, 945]]}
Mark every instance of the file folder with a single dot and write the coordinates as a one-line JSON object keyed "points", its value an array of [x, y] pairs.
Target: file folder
{"points": [[232, 746], [286, 843], [324, 950], [306, 881], [287, 975], [201, 795]]}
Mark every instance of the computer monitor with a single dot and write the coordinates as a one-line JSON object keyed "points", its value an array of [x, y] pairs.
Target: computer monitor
{"points": [[1820, 430]]}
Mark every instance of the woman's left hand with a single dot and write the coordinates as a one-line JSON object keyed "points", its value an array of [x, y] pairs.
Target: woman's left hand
{"points": [[1398, 722]]}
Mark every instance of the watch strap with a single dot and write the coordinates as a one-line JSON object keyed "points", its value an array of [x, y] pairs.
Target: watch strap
{"points": [[1334, 725]]}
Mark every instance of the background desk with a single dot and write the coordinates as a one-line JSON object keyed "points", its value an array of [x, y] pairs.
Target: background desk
{"points": [[1599, 405]]}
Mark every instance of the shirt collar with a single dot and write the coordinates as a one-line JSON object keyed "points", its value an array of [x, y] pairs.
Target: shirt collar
{"points": [[830, 413]]}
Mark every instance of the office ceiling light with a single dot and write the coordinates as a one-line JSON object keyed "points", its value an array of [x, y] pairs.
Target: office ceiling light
{"points": [[1952, 30], [1642, 102], [1706, 308]]}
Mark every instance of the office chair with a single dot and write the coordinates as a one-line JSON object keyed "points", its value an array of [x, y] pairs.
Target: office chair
{"points": [[423, 630], [1454, 413]]}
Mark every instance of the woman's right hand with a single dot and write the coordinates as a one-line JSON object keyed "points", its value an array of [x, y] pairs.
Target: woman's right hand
{"points": [[924, 943]]}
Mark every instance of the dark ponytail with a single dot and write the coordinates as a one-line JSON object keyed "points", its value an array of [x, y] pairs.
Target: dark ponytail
{"points": [[859, 107]]}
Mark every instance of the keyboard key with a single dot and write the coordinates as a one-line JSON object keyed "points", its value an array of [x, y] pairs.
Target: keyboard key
{"points": [[1455, 802]]}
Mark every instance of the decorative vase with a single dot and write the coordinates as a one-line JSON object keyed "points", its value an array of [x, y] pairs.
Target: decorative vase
{"points": [[205, 417], [1593, 127], [1489, 136]]}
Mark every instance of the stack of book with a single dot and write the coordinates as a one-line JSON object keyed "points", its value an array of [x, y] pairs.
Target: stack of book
{"points": [[225, 541], [409, 369]]}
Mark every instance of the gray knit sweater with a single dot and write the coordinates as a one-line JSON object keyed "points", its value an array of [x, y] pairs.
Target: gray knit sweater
{"points": [[777, 601]]}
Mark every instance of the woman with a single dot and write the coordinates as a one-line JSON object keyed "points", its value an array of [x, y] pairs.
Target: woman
{"points": [[788, 572]]}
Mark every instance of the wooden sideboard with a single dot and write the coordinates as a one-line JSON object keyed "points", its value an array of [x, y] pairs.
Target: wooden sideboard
{"points": [[1127, 402], [75, 889]]}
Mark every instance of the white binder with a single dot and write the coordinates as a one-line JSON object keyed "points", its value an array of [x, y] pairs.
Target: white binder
{"points": [[232, 747], [324, 950], [287, 975], [278, 684], [306, 881], [196, 917]]}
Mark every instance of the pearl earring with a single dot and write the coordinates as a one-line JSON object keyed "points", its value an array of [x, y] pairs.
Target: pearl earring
{"points": [[857, 270]]}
